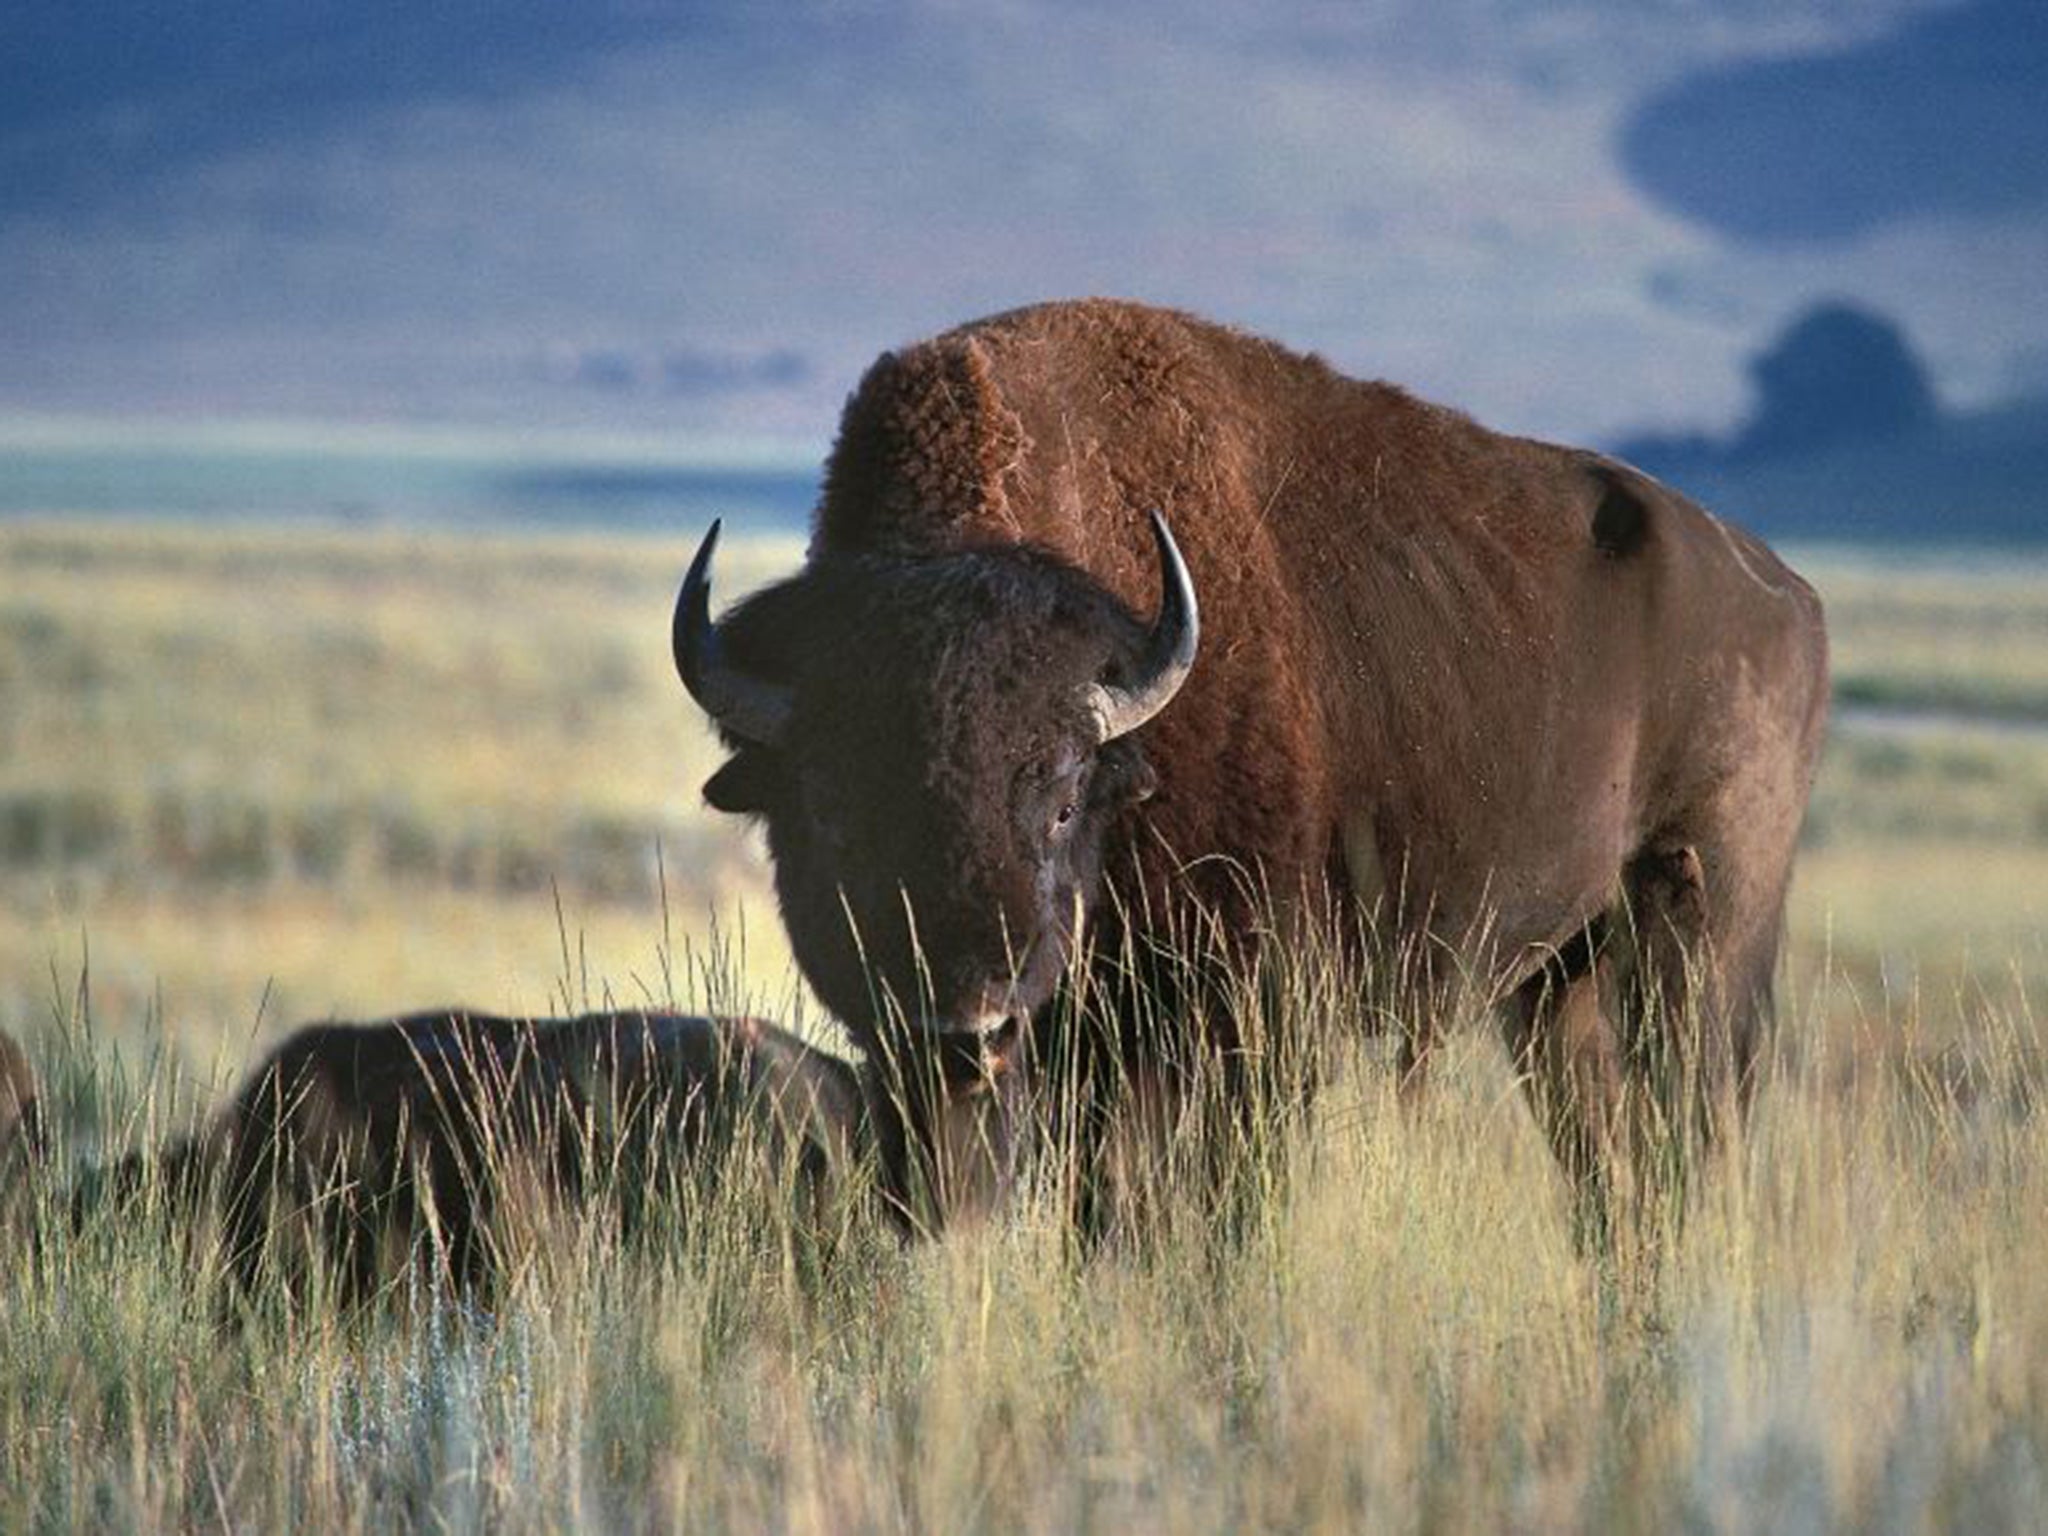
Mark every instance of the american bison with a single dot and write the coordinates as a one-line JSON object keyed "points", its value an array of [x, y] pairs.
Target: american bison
{"points": [[1517, 710], [20, 1114], [22, 1142], [354, 1145]]}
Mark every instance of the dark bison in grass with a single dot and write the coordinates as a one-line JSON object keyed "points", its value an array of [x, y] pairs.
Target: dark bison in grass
{"points": [[23, 1143], [20, 1114], [21, 1136], [1544, 720], [357, 1145]]}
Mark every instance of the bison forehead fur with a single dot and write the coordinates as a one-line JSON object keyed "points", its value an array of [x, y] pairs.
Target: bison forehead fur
{"points": [[1491, 685]]}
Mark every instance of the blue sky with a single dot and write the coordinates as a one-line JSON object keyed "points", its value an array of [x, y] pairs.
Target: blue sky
{"points": [[1576, 218]]}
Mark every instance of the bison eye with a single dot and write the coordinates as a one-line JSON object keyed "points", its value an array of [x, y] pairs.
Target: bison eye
{"points": [[1065, 814]]}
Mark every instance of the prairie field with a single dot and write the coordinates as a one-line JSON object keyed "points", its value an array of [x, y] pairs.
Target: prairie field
{"points": [[255, 777]]}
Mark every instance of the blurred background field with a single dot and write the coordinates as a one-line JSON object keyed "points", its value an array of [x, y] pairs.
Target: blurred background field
{"points": [[256, 775]]}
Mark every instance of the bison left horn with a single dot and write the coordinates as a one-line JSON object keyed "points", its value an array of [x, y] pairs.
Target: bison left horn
{"points": [[749, 707], [1169, 653]]}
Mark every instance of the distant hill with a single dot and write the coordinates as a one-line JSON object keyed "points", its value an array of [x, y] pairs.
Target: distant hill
{"points": [[1967, 479], [271, 471], [1847, 441]]}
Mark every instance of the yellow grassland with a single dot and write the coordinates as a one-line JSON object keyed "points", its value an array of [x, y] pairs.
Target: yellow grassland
{"points": [[267, 776]]}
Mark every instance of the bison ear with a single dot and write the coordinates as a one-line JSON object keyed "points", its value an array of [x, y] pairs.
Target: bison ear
{"points": [[1129, 777], [744, 786], [1142, 783]]}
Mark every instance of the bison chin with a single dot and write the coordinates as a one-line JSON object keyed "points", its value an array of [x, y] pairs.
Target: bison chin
{"points": [[902, 984]]}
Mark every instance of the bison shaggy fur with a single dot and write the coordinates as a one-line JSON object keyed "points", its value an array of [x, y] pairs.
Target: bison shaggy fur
{"points": [[358, 1146]]}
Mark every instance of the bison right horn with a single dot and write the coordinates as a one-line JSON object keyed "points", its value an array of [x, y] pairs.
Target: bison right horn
{"points": [[749, 707], [1169, 653]]}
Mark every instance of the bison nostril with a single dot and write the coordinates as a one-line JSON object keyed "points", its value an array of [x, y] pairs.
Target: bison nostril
{"points": [[979, 998], [977, 1010], [999, 1045], [974, 1062], [980, 1022]]}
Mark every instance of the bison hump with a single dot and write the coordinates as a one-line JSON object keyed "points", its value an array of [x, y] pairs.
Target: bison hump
{"points": [[924, 450]]}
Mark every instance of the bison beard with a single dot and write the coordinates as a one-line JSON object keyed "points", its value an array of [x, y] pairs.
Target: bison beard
{"points": [[1545, 723], [354, 1146]]}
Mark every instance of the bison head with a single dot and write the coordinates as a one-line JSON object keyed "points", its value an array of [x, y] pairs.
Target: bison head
{"points": [[938, 746]]}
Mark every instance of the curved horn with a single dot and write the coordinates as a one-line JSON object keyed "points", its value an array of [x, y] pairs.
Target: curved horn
{"points": [[746, 706], [1169, 653]]}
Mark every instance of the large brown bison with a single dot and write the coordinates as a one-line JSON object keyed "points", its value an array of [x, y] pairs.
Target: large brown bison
{"points": [[355, 1146], [1542, 720]]}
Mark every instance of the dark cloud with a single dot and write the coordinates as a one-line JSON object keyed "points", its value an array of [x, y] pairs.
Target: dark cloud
{"points": [[1947, 115], [1847, 439], [1839, 374], [610, 369], [98, 96], [688, 371]]}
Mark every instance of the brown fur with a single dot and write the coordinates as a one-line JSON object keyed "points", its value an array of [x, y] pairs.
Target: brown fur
{"points": [[22, 1143], [23, 1146], [354, 1143], [21, 1133], [1495, 689]]}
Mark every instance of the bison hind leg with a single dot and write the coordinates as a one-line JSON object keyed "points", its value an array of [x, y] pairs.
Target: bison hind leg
{"points": [[1697, 994], [1568, 1056], [1690, 985], [1604, 1038]]}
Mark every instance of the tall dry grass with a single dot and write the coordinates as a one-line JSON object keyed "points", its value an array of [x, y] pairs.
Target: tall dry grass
{"points": [[1846, 1330], [256, 777]]}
